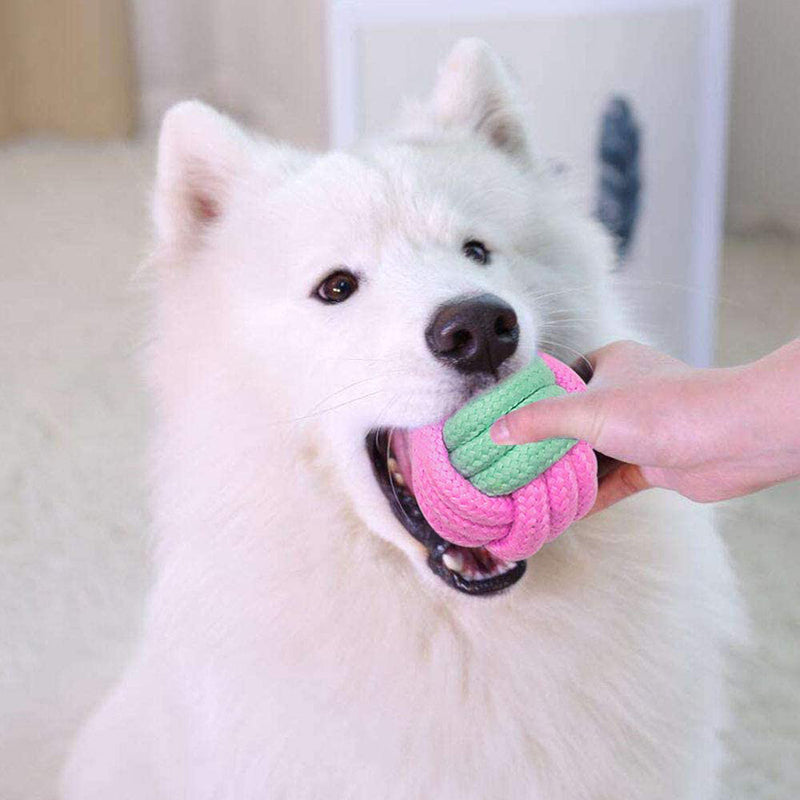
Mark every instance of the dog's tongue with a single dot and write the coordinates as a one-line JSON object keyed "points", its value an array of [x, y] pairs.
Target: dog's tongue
{"points": [[401, 449], [509, 500]]}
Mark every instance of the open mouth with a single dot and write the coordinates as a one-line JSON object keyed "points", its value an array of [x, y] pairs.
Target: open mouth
{"points": [[472, 570]]}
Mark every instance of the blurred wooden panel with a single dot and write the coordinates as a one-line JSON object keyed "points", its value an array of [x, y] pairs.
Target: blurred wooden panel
{"points": [[65, 68]]}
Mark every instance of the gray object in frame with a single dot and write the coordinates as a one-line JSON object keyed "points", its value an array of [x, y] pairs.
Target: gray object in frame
{"points": [[620, 183]]}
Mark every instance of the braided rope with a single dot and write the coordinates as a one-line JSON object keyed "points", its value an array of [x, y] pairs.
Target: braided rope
{"points": [[493, 468], [558, 477]]}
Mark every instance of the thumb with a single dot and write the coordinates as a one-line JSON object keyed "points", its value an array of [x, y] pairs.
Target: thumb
{"points": [[625, 480], [573, 416]]}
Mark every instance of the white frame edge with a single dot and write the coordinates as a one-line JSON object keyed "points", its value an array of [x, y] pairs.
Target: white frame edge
{"points": [[343, 85], [709, 186]]}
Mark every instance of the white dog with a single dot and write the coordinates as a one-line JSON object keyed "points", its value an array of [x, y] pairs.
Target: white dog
{"points": [[304, 637]]}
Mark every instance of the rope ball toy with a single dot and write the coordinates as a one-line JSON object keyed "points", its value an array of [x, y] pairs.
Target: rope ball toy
{"points": [[509, 499]]}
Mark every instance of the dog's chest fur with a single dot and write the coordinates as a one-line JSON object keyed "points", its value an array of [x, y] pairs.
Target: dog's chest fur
{"points": [[319, 667]]}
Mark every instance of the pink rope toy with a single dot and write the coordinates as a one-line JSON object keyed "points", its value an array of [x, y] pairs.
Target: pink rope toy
{"points": [[510, 526]]}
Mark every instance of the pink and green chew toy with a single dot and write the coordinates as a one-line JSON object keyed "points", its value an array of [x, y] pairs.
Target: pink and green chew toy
{"points": [[509, 500]]}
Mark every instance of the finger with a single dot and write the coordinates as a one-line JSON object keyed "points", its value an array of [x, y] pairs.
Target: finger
{"points": [[573, 416], [622, 482]]}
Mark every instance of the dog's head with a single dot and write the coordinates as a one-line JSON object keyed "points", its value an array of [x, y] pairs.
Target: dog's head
{"points": [[375, 290]]}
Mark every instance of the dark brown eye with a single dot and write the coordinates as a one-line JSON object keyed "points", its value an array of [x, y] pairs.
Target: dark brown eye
{"points": [[476, 251], [337, 287]]}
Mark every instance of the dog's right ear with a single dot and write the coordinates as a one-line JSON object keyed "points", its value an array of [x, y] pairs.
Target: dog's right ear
{"points": [[201, 154]]}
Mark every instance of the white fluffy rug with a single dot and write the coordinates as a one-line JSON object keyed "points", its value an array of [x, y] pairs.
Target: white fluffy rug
{"points": [[73, 568], [72, 556]]}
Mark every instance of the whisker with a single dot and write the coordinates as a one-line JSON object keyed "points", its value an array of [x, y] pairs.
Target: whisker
{"points": [[385, 410], [648, 283], [571, 350], [378, 424], [390, 359], [561, 320], [351, 385], [531, 290], [623, 282], [331, 408]]}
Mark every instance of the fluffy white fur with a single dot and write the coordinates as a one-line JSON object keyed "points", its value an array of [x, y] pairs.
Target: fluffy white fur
{"points": [[296, 644]]}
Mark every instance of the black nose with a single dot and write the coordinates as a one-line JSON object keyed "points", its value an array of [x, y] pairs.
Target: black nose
{"points": [[474, 335]]}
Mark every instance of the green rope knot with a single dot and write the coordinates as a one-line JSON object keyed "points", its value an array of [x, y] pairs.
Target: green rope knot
{"points": [[497, 469]]}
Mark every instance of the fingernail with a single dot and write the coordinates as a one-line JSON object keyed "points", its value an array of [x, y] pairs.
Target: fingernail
{"points": [[499, 432]]}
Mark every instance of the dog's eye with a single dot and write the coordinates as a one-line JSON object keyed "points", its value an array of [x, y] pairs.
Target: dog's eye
{"points": [[337, 287], [477, 251]]}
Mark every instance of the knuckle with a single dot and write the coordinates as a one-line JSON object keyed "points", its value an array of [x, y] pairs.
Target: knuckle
{"points": [[622, 346], [596, 418]]}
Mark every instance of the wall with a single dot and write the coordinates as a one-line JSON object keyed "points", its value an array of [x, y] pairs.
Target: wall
{"points": [[764, 147], [261, 60], [65, 68]]}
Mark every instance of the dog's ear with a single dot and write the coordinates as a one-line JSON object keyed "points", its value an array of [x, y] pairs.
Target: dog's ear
{"points": [[201, 153], [475, 93]]}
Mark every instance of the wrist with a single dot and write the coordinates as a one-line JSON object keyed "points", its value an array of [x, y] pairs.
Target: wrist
{"points": [[771, 406], [775, 381]]}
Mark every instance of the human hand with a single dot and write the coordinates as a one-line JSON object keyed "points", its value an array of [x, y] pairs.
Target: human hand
{"points": [[709, 434]]}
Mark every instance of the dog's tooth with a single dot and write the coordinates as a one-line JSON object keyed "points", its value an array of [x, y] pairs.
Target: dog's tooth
{"points": [[392, 464], [398, 479], [453, 561]]}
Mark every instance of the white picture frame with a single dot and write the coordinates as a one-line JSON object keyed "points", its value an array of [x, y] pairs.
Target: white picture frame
{"points": [[349, 19]]}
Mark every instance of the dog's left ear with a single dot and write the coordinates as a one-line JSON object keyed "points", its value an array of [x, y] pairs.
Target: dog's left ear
{"points": [[475, 93]]}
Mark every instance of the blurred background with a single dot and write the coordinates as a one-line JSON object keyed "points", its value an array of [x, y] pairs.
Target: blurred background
{"points": [[676, 121]]}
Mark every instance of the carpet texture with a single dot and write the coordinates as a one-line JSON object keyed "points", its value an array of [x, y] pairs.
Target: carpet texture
{"points": [[73, 568]]}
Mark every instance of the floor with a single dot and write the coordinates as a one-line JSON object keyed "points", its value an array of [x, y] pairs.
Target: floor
{"points": [[72, 231], [760, 310]]}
